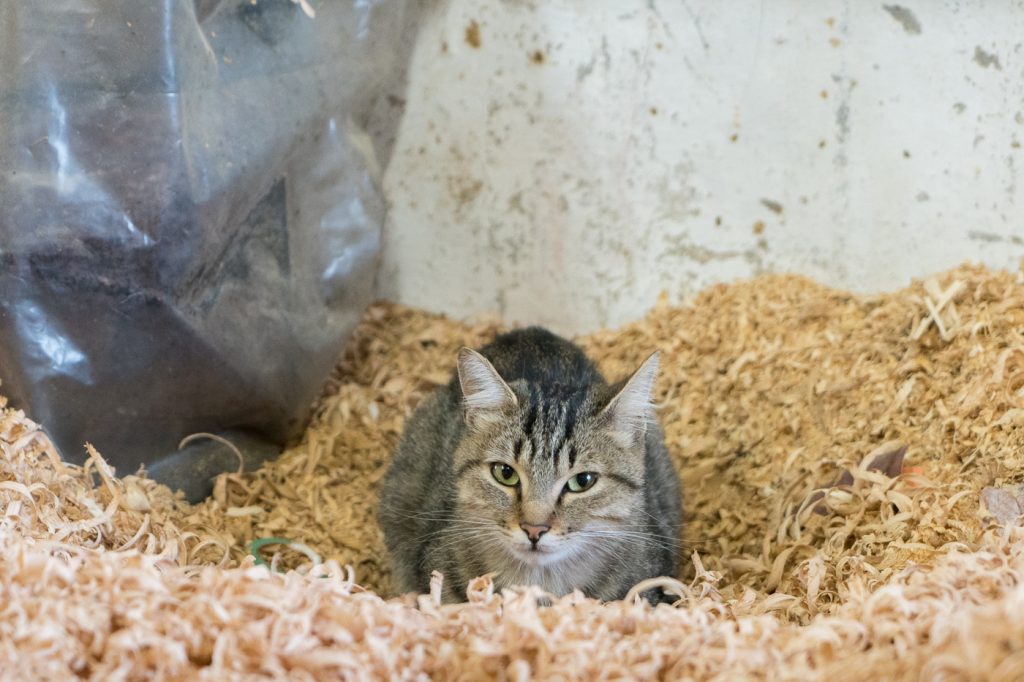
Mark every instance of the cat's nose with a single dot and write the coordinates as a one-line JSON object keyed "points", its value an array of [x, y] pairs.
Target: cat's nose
{"points": [[534, 531]]}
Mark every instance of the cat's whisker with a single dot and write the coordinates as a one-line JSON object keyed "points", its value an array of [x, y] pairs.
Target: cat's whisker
{"points": [[633, 538], [455, 539], [664, 540], [429, 516], [644, 529], [448, 532]]}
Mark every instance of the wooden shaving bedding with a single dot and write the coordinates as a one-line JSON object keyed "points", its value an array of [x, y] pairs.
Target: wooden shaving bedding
{"points": [[818, 547]]}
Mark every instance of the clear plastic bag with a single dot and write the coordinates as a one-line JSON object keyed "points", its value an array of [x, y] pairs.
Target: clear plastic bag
{"points": [[190, 209]]}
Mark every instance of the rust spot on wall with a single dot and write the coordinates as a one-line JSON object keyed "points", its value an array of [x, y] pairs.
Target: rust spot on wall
{"points": [[473, 35], [464, 190]]}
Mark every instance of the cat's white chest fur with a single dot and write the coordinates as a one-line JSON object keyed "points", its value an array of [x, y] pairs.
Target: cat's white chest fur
{"points": [[557, 576]]}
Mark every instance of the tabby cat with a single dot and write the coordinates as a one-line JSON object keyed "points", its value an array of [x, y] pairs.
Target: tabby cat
{"points": [[530, 466]]}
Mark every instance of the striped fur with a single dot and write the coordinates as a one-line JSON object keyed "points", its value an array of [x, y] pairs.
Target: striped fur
{"points": [[534, 402]]}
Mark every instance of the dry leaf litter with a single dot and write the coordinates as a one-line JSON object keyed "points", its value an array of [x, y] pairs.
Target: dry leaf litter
{"points": [[853, 477]]}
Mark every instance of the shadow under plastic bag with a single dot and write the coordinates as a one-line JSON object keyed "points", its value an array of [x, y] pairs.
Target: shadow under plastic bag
{"points": [[193, 469]]}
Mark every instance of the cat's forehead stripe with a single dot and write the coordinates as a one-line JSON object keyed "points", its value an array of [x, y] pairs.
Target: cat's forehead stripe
{"points": [[573, 406], [552, 413], [531, 414], [560, 408], [556, 410]]}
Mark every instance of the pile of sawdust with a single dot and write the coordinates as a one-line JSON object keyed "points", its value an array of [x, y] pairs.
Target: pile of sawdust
{"points": [[816, 551]]}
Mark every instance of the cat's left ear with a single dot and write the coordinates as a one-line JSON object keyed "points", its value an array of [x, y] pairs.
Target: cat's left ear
{"points": [[631, 408], [485, 395]]}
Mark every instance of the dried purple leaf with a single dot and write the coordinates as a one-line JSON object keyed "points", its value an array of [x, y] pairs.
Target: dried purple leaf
{"points": [[889, 462]]}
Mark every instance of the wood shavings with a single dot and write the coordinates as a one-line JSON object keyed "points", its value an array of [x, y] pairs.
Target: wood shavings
{"points": [[935, 301], [768, 388], [1004, 504], [219, 439]]}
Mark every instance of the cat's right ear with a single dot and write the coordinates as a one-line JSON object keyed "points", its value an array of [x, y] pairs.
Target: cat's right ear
{"points": [[630, 410], [485, 395]]}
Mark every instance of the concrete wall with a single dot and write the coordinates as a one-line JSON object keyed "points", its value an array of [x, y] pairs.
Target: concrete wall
{"points": [[563, 161]]}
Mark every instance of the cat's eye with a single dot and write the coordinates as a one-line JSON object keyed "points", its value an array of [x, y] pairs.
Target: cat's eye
{"points": [[581, 482], [504, 474]]}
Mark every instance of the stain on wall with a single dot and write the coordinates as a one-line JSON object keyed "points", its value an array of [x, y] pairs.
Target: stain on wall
{"points": [[905, 17], [986, 59]]}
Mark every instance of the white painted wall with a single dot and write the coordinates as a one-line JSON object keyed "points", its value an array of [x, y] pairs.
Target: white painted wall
{"points": [[589, 154]]}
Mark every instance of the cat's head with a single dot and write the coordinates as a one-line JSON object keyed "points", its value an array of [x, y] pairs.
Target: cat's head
{"points": [[545, 475]]}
